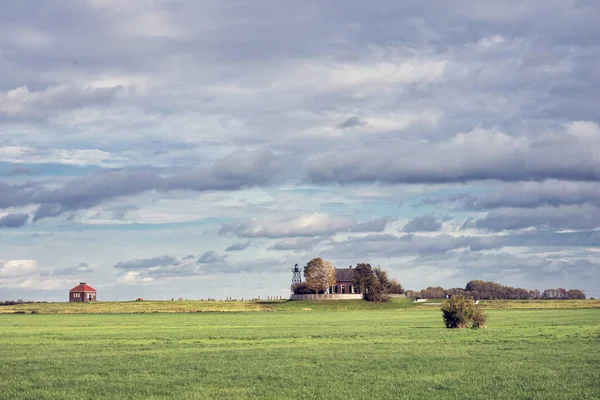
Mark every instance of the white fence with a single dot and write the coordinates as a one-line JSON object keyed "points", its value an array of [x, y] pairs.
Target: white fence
{"points": [[325, 296], [335, 296]]}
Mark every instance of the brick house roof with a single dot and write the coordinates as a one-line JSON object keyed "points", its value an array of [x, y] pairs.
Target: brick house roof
{"points": [[83, 287], [344, 274]]}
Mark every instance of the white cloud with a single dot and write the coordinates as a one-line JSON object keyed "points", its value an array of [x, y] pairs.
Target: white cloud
{"points": [[17, 268]]}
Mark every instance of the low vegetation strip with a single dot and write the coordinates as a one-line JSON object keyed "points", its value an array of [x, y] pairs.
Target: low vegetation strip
{"points": [[133, 307], [357, 354]]}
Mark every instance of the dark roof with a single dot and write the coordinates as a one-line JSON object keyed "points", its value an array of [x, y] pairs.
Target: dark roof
{"points": [[344, 274], [83, 287]]}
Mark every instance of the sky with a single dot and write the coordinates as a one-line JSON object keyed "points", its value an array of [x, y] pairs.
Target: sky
{"points": [[200, 149]]}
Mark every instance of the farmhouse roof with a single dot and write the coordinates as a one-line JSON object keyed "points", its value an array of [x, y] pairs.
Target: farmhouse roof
{"points": [[83, 287], [344, 274]]}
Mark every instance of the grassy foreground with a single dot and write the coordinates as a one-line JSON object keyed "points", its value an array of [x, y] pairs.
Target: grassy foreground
{"points": [[363, 354], [126, 307]]}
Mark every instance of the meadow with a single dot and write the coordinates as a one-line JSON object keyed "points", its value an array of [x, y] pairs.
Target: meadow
{"points": [[395, 353], [165, 306]]}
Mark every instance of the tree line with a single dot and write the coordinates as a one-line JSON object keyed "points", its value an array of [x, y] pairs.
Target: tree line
{"points": [[483, 290]]}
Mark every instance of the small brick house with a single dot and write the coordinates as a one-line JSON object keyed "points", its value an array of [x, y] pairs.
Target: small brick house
{"points": [[82, 292], [344, 281]]}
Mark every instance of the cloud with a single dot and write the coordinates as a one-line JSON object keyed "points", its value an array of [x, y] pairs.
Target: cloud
{"points": [[147, 263], [351, 122], [161, 267], [557, 218], [166, 267], [316, 224], [17, 268], [479, 154], [21, 103], [297, 244], [13, 220], [238, 246], [531, 271], [78, 270], [235, 171], [533, 194], [304, 225], [32, 155], [212, 257], [387, 245], [376, 225], [424, 223]]}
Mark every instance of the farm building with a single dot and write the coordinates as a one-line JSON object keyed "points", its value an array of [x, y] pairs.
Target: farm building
{"points": [[344, 278], [82, 292]]}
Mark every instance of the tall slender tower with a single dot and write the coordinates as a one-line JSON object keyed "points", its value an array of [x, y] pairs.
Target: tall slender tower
{"points": [[297, 275]]}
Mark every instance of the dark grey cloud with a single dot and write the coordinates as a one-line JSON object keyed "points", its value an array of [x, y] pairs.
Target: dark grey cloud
{"points": [[163, 267], [351, 123], [80, 270], [237, 170], [212, 257], [533, 194], [387, 245], [424, 223], [476, 155], [469, 223], [145, 270], [551, 239], [554, 218], [238, 246], [13, 220], [376, 225]]}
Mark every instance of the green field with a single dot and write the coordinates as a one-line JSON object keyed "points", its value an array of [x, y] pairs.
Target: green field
{"points": [[361, 354], [135, 307]]}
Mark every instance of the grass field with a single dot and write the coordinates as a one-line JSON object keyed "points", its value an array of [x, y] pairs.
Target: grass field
{"points": [[124, 307], [359, 354]]}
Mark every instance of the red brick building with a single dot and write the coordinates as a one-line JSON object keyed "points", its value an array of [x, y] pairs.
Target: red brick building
{"points": [[82, 292], [344, 281]]}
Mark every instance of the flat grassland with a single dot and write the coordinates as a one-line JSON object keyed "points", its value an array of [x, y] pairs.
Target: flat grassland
{"points": [[402, 353], [126, 307]]}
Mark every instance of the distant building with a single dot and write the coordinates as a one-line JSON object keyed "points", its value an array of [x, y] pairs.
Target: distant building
{"points": [[344, 281], [82, 292]]}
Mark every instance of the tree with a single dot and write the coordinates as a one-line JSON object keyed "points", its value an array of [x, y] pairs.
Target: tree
{"points": [[319, 274], [363, 279], [380, 286], [395, 287], [576, 294], [302, 288]]}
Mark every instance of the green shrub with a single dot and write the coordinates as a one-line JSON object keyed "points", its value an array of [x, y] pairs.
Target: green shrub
{"points": [[479, 318], [458, 311]]}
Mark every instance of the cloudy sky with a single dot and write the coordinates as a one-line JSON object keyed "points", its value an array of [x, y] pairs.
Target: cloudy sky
{"points": [[200, 149]]}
